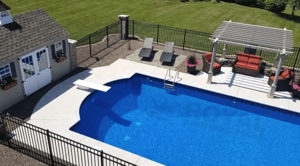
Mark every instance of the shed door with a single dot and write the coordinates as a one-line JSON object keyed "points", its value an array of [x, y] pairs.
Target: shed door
{"points": [[29, 74], [36, 71], [43, 65]]}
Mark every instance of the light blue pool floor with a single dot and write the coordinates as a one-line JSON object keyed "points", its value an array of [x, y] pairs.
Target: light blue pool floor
{"points": [[179, 129]]}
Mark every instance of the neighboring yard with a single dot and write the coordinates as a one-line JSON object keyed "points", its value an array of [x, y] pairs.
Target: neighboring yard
{"points": [[81, 18]]}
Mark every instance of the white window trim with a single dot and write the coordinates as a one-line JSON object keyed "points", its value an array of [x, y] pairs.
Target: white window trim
{"points": [[62, 48], [4, 68]]}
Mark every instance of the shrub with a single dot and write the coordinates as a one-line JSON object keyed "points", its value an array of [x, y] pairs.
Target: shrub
{"points": [[246, 2], [260, 4], [276, 6]]}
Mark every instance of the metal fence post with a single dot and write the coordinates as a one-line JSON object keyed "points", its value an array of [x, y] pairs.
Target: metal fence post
{"points": [[296, 58], [107, 36], [50, 149], [90, 45], [102, 162], [5, 131], [121, 29], [184, 38], [157, 32], [133, 27]]}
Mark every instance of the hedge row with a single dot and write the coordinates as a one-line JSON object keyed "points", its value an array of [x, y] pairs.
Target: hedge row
{"points": [[276, 6]]}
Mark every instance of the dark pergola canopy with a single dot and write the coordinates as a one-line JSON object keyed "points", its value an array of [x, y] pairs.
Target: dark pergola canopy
{"points": [[254, 36]]}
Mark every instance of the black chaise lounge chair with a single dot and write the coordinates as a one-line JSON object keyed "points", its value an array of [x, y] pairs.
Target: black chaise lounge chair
{"points": [[147, 48], [168, 52]]}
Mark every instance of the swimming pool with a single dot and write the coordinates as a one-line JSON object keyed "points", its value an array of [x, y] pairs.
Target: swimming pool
{"points": [[189, 126]]}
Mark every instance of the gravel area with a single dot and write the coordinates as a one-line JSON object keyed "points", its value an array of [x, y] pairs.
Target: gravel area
{"points": [[120, 49]]}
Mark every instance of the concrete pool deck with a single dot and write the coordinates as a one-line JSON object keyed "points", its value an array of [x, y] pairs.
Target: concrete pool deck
{"points": [[58, 110]]}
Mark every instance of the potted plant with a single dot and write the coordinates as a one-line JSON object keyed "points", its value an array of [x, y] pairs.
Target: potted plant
{"points": [[8, 83], [296, 90], [60, 57], [191, 63]]}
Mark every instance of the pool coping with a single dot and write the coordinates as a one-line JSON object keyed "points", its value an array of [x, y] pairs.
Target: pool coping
{"points": [[58, 110]]}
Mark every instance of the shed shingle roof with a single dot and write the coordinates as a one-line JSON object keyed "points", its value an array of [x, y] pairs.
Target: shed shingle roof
{"points": [[3, 7], [38, 29]]}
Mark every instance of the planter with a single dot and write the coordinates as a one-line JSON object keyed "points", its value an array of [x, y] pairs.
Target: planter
{"points": [[191, 68], [9, 85], [61, 59], [296, 90]]}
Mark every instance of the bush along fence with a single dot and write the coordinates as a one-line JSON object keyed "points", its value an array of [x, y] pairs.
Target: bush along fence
{"points": [[51, 148]]}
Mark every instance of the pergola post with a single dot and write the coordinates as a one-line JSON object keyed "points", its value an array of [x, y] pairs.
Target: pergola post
{"points": [[210, 73], [274, 85], [224, 50]]}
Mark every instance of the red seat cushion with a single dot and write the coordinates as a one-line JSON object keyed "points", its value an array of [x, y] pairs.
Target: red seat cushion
{"points": [[252, 67], [208, 57], [216, 65], [286, 73], [255, 61], [242, 58], [241, 64], [279, 77]]}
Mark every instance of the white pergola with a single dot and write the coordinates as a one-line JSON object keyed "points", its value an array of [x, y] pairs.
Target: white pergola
{"points": [[255, 37]]}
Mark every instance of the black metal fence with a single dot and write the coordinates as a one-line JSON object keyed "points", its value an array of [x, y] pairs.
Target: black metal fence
{"points": [[96, 42], [51, 148], [195, 40]]}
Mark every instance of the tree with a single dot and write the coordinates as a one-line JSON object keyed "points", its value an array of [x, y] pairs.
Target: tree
{"points": [[294, 3]]}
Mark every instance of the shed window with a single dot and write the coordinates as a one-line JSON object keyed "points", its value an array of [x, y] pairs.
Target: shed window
{"points": [[4, 13], [5, 72], [58, 47]]}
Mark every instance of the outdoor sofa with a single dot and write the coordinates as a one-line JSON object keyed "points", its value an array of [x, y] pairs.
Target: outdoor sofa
{"points": [[206, 64], [284, 79], [247, 64], [147, 48], [168, 52]]}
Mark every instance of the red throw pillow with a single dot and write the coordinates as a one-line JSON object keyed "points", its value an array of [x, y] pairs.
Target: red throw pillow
{"points": [[208, 57], [243, 54], [254, 56], [255, 61], [242, 58], [286, 73]]}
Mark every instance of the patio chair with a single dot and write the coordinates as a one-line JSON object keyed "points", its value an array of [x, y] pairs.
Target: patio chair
{"points": [[168, 52], [206, 64], [284, 80], [147, 48]]}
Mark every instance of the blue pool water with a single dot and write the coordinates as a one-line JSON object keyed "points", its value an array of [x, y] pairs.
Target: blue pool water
{"points": [[189, 126]]}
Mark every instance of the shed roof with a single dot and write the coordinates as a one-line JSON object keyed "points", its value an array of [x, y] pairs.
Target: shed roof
{"points": [[3, 7], [30, 30], [255, 35]]}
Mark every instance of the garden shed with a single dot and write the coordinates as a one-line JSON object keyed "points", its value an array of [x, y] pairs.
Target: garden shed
{"points": [[34, 51]]}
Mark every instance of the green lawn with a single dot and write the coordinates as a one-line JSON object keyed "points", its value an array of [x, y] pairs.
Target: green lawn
{"points": [[82, 17]]}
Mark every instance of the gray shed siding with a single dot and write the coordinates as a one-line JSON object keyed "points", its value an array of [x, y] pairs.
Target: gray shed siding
{"points": [[15, 94]]}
